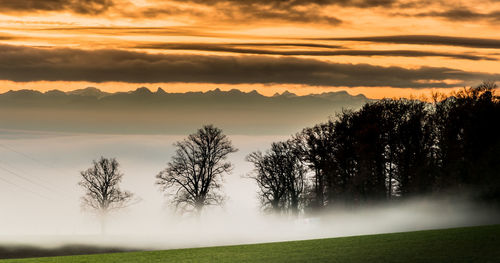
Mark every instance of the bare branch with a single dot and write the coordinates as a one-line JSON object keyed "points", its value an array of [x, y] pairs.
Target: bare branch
{"points": [[193, 176]]}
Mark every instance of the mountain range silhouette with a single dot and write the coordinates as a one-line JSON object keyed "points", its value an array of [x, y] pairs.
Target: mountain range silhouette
{"points": [[91, 110]]}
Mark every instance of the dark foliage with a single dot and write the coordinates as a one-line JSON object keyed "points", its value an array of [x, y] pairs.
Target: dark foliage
{"points": [[398, 148], [280, 176], [468, 141]]}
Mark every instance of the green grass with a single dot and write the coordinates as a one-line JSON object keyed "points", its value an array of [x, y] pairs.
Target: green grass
{"points": [[470, 244]]}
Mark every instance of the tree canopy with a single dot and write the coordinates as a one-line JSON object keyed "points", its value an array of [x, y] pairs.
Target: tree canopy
{"points": [[392, 149], [193, 177]]}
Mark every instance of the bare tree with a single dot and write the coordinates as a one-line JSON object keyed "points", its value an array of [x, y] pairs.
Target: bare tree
{"points": [[193, 178], [316, 147], [280, 176], [271, 183], [102, 191]]}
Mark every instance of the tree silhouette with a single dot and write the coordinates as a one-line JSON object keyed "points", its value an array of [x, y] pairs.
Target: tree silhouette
{"points": [[280, 176], [394, 148], [269, 180], [316, 147], [102, 190], [193, 178], [467, 126]]}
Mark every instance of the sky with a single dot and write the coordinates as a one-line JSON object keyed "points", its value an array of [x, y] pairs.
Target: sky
{"points": [[381, 48]]}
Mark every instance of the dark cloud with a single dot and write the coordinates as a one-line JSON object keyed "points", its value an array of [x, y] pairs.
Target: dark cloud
{"points": [[6, 37], [293, 3], [241, 11], [32, 64], [308, 15], [462, 14], [275, 44], [230, 47], [33, 5], [297, 11], [427, 40], [304, 11], [91, 6], [234, 48], [77, 6]]}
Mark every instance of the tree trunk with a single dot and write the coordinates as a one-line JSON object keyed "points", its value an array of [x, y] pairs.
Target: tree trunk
{"points": [[103, 221], [198, 209], [295, 206], [275, 205], [320, 198]]}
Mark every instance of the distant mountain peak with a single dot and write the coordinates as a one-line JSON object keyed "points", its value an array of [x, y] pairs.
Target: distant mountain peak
{"points": [[238, 111], [146, 92], [160, 91], [285, 94], [237, 91], [24, 92], [254, 92], [89, 91], [142, 90], [55, 92]]}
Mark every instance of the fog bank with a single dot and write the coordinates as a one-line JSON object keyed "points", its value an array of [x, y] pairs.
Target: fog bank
{"points": [[39, 200]]}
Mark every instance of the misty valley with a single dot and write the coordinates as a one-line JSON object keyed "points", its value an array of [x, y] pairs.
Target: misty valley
{"points": [[139, 131], [387, 166]]}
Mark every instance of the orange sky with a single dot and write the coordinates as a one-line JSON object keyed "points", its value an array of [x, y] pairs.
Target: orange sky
{"points": [[267, 90], [270, 46]]}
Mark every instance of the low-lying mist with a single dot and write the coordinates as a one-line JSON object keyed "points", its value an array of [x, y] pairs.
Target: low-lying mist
{"points": [[39, 200], [136, 230]]}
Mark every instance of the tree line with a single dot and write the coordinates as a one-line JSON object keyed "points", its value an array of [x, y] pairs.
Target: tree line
{"points": [[389, 149]]}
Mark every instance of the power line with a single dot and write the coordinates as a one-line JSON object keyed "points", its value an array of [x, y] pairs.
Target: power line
{"points": [[60, 190], [25, 189], [26, 156], [51, 190], [27, 174]]}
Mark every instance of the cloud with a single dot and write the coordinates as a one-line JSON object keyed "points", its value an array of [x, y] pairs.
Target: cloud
{"points": [[308, 15], [238, 11], [215, 10], [277, 44], [235, 48], [33, 64], [461, 14], [6, 37], [33, 5], [427, 40], [77, 6], [293, 3], [91, 6]]}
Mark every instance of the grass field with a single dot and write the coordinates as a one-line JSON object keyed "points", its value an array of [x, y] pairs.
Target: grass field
{"points": [[470, 244]]}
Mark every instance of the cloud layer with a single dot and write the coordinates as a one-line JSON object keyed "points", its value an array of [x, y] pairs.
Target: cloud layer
{"points": [[295, 11], [429, 40], [237, 48], [78, 6], [32, 64]]}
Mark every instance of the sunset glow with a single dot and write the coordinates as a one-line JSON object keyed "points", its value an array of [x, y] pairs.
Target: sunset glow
{"points": [[388, 48]]}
